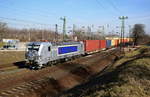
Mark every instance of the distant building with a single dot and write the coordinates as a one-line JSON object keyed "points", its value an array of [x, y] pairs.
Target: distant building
{"points": [[10, 40], [10, 43]]}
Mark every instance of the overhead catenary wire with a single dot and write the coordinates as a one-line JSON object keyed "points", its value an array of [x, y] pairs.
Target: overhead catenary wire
{"points": [[140, 17], [3, 2], [27, 12], [104, 8], [100, 4], [24, 24], [114, 6], [21, 20], [24, 14], [35, 9]]}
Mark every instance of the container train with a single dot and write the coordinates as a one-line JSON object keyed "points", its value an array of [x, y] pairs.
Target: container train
{"points": [[39, 54]]}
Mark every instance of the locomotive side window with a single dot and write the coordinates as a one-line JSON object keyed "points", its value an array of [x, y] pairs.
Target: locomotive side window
{"points": [[49, 48]]}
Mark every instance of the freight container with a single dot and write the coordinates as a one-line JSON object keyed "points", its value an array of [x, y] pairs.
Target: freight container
{"points": [[119, 41], [108, 43], [125, 40], [128, 39], [102, 44], [91, 45], [116, 42], [113, 42]]}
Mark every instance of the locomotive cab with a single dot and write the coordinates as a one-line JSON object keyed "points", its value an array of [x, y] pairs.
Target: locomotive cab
{"points": [[38, 54]]}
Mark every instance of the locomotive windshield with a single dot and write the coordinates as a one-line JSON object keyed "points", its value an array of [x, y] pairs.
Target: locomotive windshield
{"points": [[33, 47]]}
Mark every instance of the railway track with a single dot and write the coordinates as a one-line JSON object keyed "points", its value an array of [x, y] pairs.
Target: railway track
{"points": [[23, 82]]}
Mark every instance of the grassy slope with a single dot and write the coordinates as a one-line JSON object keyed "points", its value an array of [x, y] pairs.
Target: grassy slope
{"points": [[1, 44], [11, 57], [131, 78]]}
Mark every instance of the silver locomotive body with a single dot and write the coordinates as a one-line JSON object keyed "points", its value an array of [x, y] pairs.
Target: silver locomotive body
{"points": [[39, 54]]}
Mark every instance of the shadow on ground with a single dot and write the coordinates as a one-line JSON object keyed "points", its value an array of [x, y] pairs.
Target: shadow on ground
{"points": [[20, 64]]}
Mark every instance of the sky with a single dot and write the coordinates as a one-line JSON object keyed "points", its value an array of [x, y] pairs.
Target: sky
{"points": [[44, 14]]}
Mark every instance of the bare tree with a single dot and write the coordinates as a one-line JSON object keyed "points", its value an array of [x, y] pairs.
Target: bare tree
{"points": [[3, 27], [138, 33]]}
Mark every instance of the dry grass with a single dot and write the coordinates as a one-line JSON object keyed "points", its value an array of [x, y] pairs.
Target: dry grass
{"points": [[11, 57], [132, 78], [130, 55], [1, 44]]}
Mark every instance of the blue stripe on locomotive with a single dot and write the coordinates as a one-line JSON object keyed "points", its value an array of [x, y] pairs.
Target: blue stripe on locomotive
{"points": [[68, 49]]}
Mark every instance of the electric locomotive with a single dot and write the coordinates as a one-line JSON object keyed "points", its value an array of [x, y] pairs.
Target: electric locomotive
{"points": [[39, 54]]}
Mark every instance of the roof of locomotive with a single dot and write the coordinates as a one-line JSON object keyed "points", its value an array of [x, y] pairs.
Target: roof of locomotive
{"points": [[64, 43], [38, 43], [53, 43]]}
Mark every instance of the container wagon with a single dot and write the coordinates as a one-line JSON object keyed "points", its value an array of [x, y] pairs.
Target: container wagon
{"points": [[91, 46], [102, 44]]}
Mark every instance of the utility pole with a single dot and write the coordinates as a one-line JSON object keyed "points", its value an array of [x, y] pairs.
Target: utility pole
{"points": [[64, 27], [130, 30], [122, 18], [103, 28], [42, 33], [73, 31], [89, 31], [29, 36], [92, 32], [56, 32], [99, 30], [119, 34]]}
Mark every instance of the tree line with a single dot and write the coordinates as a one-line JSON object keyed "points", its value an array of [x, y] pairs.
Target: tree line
{"points": [[34, 34]]}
